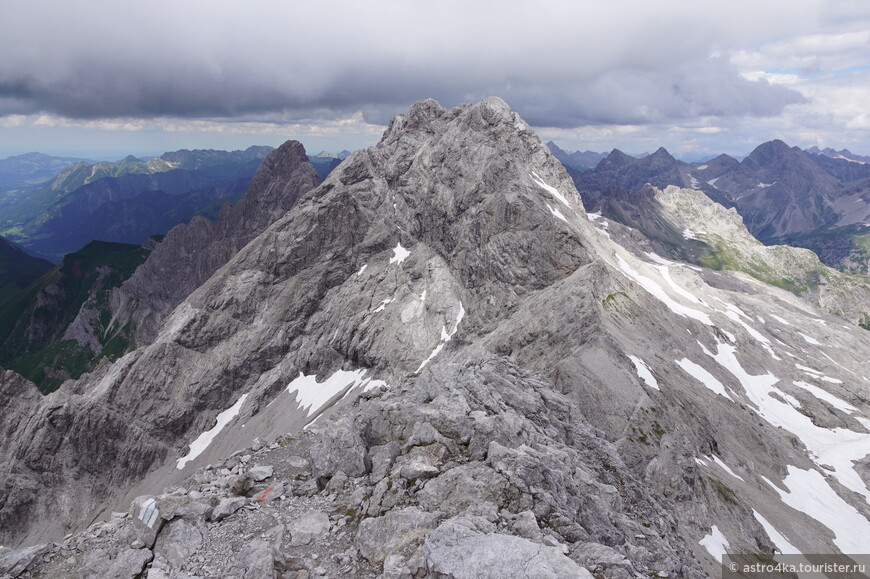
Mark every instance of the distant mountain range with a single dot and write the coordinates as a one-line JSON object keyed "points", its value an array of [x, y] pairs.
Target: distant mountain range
{"points": [[578, 160], [125, 201], [841, 154], [32, 168], [784, 194]]}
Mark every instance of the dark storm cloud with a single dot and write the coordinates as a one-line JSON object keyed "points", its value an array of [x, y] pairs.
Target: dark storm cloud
{"points": [[558, 64]]}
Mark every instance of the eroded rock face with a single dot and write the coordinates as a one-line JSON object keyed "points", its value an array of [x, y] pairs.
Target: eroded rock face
{"points": [[192, 252]]}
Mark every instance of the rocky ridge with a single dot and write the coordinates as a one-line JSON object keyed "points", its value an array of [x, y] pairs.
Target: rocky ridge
{"points": [[482, 367], [190, 253]]}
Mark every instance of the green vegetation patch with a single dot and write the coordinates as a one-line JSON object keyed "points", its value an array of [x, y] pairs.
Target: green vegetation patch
{"points": [[33, 321], [726, 493]]}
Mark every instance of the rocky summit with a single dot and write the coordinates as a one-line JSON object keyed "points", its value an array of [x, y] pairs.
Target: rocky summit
{"points": [[437, 364]]}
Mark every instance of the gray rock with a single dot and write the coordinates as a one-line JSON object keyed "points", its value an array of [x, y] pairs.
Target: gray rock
{"points": [[422, 462], [227, 507], [260, 473], [399, 531], [464, 486], [127, 563], [382, 457], [457, 549], [182, 542], [15, 562], [340, 448], [525, 525], [310, 527]]}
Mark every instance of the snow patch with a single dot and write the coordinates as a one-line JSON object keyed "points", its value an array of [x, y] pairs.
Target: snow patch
{"points": [[552, 190], [839, 448], [837, 403], [659, 259], [204, 439], [725, 467], [688, 234], [644, 372], [780, 320], [700, 374], [400, 254], [809, 493], [381, 307], [361, 270], [445, 337], [556, 213], [716, 544], [810, 340], [666, 275], [702, 167], [312, 395], [778, 539], [656, 291]]}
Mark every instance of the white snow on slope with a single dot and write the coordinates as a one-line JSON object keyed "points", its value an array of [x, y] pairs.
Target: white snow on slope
{"points": [[656, 291], [837, 403], [312, 395], [204, 439], [362, 269], [725, 467], [644, 372], [734, 314], [552, 190], [780, 320], [382, 305], [688, 234], [715, 543], [702, 167], [808, 492], [556, 213], [779, 541], [704, 377], [659, 259], [808, 370], [400, 254], [810, 339], [838, 447], [445, 337], [666, 275]]}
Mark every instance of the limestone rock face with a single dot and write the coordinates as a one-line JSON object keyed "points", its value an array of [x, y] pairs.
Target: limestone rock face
{"points": [[438, 350], [192, 252]]}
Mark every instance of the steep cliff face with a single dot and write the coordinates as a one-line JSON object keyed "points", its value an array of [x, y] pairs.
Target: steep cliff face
{"points": [[481, 367], [190, 253]]}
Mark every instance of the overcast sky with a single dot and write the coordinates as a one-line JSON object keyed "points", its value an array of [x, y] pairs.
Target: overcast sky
{"points": [[100, 78]]}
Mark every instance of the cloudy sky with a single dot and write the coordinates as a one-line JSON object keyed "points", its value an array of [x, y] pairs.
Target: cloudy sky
{"points": [[103, 79]]}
